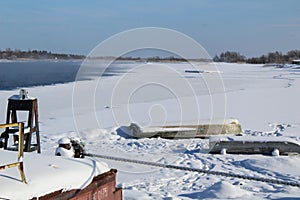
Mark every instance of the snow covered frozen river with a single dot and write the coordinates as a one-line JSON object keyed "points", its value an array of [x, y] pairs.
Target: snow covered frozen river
{"points": [[163, 93]]}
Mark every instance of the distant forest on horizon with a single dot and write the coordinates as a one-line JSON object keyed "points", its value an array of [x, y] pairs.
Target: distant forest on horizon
{"points": [[228, 56]]}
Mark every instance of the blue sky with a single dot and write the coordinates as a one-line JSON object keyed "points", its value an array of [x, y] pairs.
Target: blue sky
{"points": [[252, 27]]}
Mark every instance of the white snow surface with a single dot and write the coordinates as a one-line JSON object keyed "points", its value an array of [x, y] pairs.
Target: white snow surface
{"points": [[265, 100], [45, 174]]}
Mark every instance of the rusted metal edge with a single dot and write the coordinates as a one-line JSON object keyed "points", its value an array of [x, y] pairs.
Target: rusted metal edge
{"points": [[98, 181]]}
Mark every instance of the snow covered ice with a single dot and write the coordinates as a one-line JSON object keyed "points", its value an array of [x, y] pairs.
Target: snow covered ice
{"points": [[259, 97]]}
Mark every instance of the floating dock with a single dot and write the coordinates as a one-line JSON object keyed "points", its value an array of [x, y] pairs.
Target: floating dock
{"points": [[253, 145]]}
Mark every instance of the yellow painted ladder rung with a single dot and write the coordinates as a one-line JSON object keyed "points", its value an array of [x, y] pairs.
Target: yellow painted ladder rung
{"points": [[18, 164]]}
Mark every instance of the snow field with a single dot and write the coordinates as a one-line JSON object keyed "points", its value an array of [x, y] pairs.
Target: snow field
{"points": [[260, 98]]}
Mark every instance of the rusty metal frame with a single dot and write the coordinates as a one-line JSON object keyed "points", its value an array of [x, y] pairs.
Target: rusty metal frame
{"points": [[18, 164]]}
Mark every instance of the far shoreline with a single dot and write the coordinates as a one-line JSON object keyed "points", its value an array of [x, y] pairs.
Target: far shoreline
{"points": [[160, 60]]}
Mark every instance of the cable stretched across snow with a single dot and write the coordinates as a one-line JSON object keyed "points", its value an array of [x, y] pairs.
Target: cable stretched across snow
{"points": [[217, 173]]}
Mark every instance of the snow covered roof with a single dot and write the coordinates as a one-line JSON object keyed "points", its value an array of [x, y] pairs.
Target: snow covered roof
{"points": [[46, 174]]}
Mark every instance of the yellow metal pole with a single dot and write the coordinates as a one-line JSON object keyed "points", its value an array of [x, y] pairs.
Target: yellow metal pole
{"points": [[20, 151], [9, 125], [21, 141]]}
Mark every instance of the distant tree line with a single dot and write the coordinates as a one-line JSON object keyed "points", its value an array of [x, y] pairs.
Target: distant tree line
{"points": [[228, 56], [154, 59], [272, 57], [35, 54]]}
